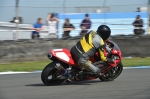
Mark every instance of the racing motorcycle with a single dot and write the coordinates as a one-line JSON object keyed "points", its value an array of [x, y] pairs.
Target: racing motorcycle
{"points": [[62, 58]]}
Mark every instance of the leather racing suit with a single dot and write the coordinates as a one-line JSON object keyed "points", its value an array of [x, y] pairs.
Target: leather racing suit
{"points": [[87, 47]]}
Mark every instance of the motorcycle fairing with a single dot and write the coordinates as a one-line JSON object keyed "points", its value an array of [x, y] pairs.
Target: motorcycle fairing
{"points": [[63, 55]]}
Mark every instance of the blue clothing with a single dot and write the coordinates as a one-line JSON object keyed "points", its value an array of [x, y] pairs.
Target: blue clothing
{"points": [[36, 25]]}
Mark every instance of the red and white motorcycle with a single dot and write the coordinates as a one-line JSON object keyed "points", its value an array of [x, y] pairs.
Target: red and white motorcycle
{"points": [[52, 76]]}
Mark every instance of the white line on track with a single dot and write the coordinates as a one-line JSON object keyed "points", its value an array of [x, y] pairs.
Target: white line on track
{"points": [[12, 72]]}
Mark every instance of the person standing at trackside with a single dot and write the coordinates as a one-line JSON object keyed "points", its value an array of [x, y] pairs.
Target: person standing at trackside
{"points": [[138, 24], [52, 25], [138, 10], [67, 27], [85, 24], [38, 26]]}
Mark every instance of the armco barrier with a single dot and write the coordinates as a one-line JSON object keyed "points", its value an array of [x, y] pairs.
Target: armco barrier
{"points": [[35, 50]]}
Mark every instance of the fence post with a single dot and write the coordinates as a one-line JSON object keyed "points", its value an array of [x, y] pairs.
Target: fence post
{"points": [[17, 19], [148, 11]]}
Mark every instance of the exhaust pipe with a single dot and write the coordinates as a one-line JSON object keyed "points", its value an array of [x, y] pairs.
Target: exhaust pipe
{"points": [[63, 71], [49, 56]]}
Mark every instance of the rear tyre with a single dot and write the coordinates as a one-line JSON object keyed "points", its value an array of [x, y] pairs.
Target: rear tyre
{"points": [[110, 76], [50, 71]]}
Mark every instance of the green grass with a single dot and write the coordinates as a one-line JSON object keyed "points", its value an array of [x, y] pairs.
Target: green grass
{"points": [[136, 61], [31, 66], [23, 66]]}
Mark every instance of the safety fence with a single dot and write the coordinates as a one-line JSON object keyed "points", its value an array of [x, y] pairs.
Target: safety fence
{"points": [[25, 34]]}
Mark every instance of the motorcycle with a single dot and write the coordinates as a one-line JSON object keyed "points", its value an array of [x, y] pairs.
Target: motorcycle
{"points": [[62, 58]]}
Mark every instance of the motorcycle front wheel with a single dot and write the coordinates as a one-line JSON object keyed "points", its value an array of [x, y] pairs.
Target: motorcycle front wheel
{"points": [[113, 73], [48, 75]]}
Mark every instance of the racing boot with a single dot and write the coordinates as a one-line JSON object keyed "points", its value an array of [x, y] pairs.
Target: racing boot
{"points": [[97, 74], [91, 68]]}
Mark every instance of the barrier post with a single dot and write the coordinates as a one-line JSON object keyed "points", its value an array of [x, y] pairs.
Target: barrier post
{"points": [[14, 35]]}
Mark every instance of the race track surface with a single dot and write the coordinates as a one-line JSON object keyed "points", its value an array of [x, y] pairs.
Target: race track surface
{"points": [[132, 84]]}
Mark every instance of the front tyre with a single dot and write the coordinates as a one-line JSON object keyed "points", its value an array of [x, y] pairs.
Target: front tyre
{"points": [[48, 75], [113, 73]]}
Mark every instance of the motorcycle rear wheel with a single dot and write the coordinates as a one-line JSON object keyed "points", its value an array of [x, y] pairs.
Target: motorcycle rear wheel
{"points": [[111, 78], [48, 71]]}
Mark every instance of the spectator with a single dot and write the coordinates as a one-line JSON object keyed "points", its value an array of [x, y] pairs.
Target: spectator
{"points": [[67, 27], [138, 24], [85, 24], [52, 25], [138, 10], [38, 26]]}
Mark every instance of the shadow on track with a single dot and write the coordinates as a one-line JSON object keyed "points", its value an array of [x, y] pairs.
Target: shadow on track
{"points": [[36, 85], [72, 83]]}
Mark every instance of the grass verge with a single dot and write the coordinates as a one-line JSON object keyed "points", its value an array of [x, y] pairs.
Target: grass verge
{"points": [[136, 62], [31, 66]]}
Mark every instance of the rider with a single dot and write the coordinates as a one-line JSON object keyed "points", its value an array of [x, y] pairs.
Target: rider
{"points": [[88, 46]]}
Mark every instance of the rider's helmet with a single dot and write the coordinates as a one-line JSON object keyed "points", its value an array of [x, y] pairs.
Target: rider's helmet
{"points": [[104, 31]]}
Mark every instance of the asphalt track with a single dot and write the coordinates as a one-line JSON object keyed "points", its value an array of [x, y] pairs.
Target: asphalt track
{"points": [[132, 84]]}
